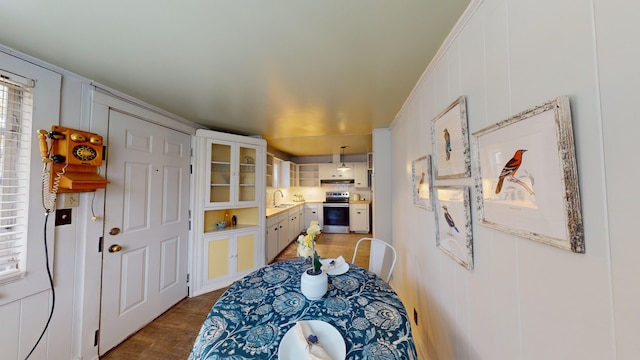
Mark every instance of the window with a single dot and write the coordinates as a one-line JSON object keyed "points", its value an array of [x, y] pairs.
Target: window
{"points": [[29, 100], [15, 145]]}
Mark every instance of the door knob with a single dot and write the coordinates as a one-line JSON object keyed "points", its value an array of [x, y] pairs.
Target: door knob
{"points": [[115, 248], [114, 231]]}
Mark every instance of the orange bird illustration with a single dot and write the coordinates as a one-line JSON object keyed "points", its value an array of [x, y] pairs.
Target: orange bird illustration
{"points": [[510, 168], [420, 183], [447, 141]]}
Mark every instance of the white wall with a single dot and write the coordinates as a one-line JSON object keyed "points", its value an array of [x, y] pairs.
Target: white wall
{"points": [[526, 300], [29, 315], [77, 262]]}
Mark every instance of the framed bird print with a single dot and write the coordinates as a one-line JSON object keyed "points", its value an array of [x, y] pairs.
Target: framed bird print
{"points": [[527, 180], [450, 141], [453, 219], [421, 178]]}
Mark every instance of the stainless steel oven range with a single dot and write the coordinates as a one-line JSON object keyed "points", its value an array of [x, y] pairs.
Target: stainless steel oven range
{"points": [[335, 210]]}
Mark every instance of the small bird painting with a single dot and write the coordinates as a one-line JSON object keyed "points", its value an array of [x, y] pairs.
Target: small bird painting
{"points": [[510, 168], [420, 183], [447, 141], [449, 219]]}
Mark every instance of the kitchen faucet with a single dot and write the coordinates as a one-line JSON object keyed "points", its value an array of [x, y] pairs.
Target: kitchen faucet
{"points": [[274, 196]]}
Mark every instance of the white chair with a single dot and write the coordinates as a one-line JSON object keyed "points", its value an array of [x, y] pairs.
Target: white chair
{"points": [[382, 257]]}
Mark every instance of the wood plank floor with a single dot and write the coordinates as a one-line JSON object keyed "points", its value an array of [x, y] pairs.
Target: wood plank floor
{"points": [[171, 335]]}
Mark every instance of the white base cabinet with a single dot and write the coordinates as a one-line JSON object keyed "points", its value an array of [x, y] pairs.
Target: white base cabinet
{"points": [[277, 235], [312, 211], [229, 255], [282, 229], [296, 223], [359, 218]]}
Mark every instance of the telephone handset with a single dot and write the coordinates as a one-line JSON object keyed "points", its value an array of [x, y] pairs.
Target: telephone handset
{"points": [[73, 157]]}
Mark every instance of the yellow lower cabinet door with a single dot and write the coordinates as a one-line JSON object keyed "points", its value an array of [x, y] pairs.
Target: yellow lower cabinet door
{"points": [[218, 258], [246, 254]]}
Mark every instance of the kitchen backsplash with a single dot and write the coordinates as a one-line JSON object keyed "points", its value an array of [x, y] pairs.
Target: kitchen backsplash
{"points": [[313, 194]]}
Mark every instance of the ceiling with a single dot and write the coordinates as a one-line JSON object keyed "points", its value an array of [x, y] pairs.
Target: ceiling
{"points": [[307, 75]]}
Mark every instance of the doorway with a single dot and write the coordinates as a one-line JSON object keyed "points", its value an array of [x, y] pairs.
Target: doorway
{"points": [[144, 257]]}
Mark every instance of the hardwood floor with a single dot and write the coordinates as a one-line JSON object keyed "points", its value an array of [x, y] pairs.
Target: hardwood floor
{"points": [[172, 334]]}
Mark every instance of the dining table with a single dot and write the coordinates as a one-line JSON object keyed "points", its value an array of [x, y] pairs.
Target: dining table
{"points": [[252, 316]]}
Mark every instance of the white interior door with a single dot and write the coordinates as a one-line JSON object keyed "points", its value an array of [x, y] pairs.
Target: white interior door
{"points": [[146, 225]]}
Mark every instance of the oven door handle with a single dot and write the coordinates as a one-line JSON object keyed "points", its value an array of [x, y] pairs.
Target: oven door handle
{"points": [[335, 205]]}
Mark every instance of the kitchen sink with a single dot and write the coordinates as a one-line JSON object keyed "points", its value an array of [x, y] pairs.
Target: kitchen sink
{"points": [[279, 206]]}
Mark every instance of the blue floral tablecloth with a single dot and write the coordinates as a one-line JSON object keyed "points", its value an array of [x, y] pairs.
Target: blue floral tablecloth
{"points": [[252, 316]]}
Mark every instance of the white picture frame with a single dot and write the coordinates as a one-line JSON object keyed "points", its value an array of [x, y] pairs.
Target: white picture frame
{"points": [[421, 177], [453, 223], [450, 142], [540, 199]]}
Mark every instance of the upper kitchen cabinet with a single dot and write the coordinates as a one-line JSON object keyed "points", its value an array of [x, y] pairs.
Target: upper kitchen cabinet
{"points": [[232, 172], [360, 175], [269, 170], [288, 174], [331, 172], [309, 175]]}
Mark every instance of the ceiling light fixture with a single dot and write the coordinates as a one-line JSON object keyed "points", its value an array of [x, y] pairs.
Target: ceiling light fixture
{"points": [[343, 167]]}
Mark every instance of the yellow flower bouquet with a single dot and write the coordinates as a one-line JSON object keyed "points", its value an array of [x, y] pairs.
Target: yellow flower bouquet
{"points": [[306, 244]]}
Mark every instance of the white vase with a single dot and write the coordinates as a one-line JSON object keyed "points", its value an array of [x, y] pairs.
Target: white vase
{"points": [[313, 286]]}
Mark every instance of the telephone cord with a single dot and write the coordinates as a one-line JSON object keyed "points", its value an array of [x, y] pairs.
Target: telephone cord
{"points": [[49, 197], [53, 291]]}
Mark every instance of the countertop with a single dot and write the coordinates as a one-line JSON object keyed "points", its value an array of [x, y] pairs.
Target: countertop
{"points": [[271, 211]]}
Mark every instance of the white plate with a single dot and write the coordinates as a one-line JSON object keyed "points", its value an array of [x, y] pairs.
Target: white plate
{"points": [[332, 342], [337, 271]]}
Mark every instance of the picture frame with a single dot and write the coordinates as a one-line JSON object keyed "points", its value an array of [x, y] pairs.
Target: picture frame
{"points": [[450, 142], [453, 223], [527, 179], [421, 179]]}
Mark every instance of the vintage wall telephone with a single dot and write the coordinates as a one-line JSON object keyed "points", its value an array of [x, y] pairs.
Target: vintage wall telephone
{"points": [[71, 158]]}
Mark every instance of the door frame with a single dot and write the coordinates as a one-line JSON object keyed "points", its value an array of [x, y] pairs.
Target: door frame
{"points": [[89, 265]]}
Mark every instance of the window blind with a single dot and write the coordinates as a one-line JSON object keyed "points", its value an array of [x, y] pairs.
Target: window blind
{"points": [[16, 103]]}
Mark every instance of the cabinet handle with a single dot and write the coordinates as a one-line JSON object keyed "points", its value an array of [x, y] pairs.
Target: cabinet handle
{"points": [[358, 212]]}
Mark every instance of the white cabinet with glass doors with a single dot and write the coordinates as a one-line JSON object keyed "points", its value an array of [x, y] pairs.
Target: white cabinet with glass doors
{"points": [[228, 184], [231, 174]]}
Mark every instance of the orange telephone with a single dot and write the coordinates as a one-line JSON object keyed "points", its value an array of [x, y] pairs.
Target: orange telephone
{"points": [[75, 157]]}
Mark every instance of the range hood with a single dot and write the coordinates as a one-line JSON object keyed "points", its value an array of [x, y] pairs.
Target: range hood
{"points": [[336, 181]]}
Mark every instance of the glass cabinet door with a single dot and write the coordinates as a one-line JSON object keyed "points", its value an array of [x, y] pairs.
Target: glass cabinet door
{"points": [[247, 179], [220, 177]]}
